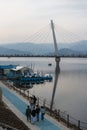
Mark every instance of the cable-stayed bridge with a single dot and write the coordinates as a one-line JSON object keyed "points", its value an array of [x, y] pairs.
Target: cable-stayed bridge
{"points": [[42, 44]]}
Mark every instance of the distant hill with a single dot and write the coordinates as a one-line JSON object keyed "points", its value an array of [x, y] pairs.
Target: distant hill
{"points": [[74, 49], [31, 48], [80, 46], [6, 51]]}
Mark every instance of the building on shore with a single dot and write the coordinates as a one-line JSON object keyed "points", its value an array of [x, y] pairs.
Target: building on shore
{"points": [[4, 69], [19, 71]]}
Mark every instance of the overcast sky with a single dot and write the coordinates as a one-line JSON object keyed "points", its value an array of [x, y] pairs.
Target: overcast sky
{"points": [[21, 18]]}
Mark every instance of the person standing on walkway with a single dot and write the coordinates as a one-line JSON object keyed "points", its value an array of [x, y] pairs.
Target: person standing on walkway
{"points": [[42, 110], [33, 116], [37, 112], [34, 100], [28, 113], [31, 103]]}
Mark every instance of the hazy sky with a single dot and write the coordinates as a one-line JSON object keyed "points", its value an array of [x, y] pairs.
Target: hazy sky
{"points": [[21, 18]]}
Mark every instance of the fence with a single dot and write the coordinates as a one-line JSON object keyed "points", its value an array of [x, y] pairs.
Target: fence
{"points": [[60, 116]]}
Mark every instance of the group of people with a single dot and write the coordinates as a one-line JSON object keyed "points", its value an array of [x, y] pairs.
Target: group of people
{"points": [[34, 112]]}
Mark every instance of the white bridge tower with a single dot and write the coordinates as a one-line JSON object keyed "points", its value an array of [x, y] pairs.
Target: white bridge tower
{"points": [[55, 42], [57, 69]]}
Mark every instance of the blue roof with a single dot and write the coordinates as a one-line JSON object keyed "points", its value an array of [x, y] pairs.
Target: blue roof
{"points": [[7, 66]]}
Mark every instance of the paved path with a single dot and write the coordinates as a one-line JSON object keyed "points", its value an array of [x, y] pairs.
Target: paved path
{"points": [[21, 105]]}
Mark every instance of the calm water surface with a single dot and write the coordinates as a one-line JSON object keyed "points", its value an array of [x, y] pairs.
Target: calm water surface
{"points": [[71, 91]]}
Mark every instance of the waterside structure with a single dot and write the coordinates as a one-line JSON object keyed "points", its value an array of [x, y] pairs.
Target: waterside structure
{"points": [[22, 76]]}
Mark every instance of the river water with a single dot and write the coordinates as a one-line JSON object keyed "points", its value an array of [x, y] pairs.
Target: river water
{"points": [[71, 91]]}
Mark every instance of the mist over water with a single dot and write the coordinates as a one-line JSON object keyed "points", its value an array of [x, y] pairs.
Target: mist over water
{"points": [[71, 90]]}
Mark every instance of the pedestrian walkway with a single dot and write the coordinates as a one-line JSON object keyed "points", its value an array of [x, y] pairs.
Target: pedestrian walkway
{"points": [[21, 106]]}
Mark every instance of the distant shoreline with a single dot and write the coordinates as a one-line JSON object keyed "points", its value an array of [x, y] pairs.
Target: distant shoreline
{"points": [[10, 56]]}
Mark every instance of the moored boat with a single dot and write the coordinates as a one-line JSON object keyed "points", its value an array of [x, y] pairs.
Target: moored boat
{"points": [[24, 76]]}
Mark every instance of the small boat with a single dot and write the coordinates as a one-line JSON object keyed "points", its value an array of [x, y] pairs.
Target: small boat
{"points": [[49, 64]]}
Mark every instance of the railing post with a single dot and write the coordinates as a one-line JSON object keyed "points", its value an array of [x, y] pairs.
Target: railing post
{"points": [[28, 94], [58, 115], [20, 90], [67, 120], [78, 124], [38, 101], [0, 95], [24, 93], [44, 102]]}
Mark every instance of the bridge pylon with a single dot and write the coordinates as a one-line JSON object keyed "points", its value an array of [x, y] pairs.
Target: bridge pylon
{"points": [[57, 69]]}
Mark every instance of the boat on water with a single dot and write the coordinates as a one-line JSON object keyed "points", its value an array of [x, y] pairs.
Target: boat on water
{"points": [[25, 76], [50, 64]]}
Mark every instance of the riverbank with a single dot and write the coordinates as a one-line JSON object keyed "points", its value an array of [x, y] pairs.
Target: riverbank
{"points": [[56, 114], [7, 117], [21, 103]]}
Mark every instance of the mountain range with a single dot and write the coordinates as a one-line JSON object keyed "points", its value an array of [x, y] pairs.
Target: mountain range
{"points": [[65, 49]]}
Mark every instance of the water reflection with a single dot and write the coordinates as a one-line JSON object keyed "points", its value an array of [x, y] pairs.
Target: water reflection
{"points": [[57, 71]]}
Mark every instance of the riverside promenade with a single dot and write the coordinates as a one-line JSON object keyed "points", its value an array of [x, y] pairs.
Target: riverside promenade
{"points": [[18, 105]]}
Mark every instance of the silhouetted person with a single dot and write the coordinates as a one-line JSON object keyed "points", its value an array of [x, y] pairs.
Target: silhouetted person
{"points": [[32, 103], [34, 100], [42, 110], [28, 113], [33, 116], [37, 112]]}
